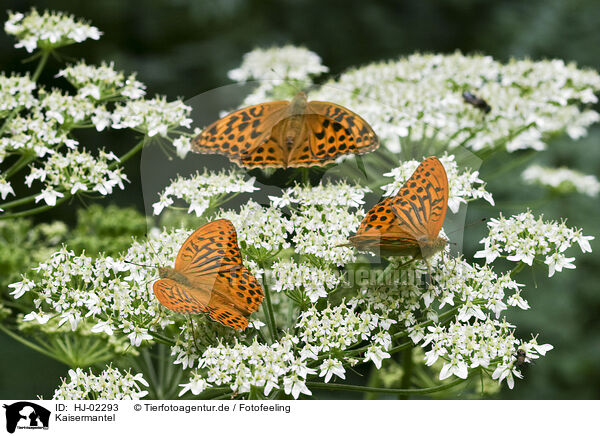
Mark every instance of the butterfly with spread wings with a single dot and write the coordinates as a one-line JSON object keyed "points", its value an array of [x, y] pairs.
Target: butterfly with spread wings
{"points": [[409, 223], [209, 278], [282, 134]]}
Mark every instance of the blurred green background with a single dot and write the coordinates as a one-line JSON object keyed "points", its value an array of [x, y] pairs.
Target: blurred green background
{"points": [[184, 47]]}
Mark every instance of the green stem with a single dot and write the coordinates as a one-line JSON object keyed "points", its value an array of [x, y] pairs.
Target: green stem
{"points": [[41, 64], [512, 164], [407, 367], [31, 345], [35, 210], [517, 269], [416, 391], [23, 160], [269, 309], [162, 339], [19, 202], [129, 154]]}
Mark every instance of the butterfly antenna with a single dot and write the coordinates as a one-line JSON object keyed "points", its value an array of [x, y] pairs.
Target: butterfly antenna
{"points": [[286, 80], [152, 248], [194, 333], [139, 264], [467, 225]]}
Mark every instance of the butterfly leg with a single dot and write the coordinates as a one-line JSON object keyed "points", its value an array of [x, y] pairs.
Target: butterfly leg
{"points": [[194, 333], [429, 278]]}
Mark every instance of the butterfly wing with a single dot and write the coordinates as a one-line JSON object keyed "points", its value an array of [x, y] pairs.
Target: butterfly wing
{"points": [[228, 297], [211, 278], [421, 204], [211, 248], [236, 294], [179, 298], [240, 131], [381, 231], [331, 131], [404, 223], [267, 153]]}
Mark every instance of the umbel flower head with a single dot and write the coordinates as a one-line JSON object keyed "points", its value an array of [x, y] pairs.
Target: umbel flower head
{"points": [[39, 122], [420, 96], [110, 384], [524, 238], [49, 30], [563, 180]]}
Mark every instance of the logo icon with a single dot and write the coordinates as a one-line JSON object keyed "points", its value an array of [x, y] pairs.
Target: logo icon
{"points": [[26, 415]]}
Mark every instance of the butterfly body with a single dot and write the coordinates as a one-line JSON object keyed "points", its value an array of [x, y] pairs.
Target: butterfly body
{"points": [[282, 134], [408, 224], [209, 278]]}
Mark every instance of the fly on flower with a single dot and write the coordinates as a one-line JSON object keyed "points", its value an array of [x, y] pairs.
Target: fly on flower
{"points": [[478, 102], [209, 278], [283, 134]]}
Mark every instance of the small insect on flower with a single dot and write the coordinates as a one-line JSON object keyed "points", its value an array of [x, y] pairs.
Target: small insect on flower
{"points": [[478, 102], [282, 134], [521, 357], [409, 223], [209, 277]]}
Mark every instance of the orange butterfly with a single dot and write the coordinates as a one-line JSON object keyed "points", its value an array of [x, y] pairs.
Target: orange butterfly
{"points": [[409, 223], [209, 278], [284, 134]]}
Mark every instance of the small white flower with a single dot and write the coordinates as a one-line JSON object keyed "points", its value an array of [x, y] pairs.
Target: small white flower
{"points": [[5, 189], [331, 367], [376, 355], [197, 386], [104, 327], [295, 386], [49, 195], [455, 367], [200, 190], [557, 261]]}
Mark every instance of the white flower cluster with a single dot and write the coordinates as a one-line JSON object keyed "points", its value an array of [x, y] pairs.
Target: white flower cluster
{"points": [[34, 133], [523, 237], [64, 108], [287, 363], [260, 229], [463, 186], [74, 288], [101, 82], [273, 67], [477, 296], [287, 62], [110, 384], [76, 171], [16, 92], [509, 367], [242, 366], [337, 328], [312, 281], [420, 97], [203, 191], [322, 219], [465, 346], [562, 179], [152, 117], [340, 194], [47, 31]]}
